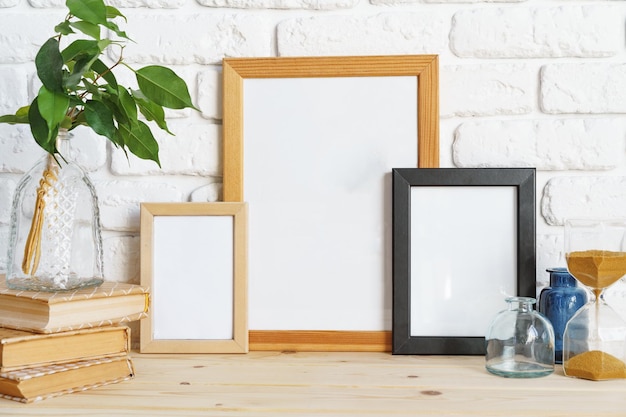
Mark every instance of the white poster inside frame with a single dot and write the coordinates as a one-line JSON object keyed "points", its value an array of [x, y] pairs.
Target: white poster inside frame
{"points": [[317, 179], [452, 232]]}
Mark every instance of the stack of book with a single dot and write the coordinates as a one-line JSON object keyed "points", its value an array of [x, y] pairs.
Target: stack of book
{"points": [[58, 343]]}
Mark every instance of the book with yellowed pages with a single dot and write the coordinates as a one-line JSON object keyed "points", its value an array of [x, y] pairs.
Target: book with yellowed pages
{"points": [[34, 384], [52, 312], [21, 349]]}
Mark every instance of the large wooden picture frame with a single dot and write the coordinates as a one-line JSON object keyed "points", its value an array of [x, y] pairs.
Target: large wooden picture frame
{"points": [[463, 239], [237, 72], [194, 260]]}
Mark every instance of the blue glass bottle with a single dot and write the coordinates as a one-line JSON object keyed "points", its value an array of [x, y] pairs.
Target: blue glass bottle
{"points": [[559, 302]]}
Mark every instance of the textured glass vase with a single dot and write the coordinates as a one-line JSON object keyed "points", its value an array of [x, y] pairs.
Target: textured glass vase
{"points": [[520, 341], [559, 302], [55, 239]]}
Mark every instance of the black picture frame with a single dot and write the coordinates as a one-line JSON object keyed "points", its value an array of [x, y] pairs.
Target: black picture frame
{"points": [[404, 179]]}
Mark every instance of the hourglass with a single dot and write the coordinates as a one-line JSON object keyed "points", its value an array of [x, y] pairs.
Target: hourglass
{"points": [[594, 341]]}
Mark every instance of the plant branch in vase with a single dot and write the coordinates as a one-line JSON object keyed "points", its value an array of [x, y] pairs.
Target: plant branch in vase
{"points": [[79, 87]]}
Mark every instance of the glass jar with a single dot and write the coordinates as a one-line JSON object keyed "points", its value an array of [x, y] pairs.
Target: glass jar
{"points": [[559, 302], [520, 341], [55, 241]]}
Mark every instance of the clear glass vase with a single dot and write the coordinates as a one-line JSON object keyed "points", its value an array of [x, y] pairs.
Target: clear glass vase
{"points": [[520, 341], [55, 238]]}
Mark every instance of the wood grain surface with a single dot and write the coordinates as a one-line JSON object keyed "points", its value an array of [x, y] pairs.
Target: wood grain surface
{"points": [[274, 384]]}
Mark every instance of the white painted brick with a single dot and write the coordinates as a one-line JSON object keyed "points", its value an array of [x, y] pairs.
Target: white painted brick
{"points": [[566, 31], [203, 38], [382, 34], [14, 90], [154, 4], [121, 258], [472, 1], [571, 144], [119, 201], [46, 3], [281, 4], [583, 196], [549, 255], [487, 90], [18, 150], [7, 189], [207, 194], [401, 2], [583, 88], [20, 42], [210, 94], [195, 150]]}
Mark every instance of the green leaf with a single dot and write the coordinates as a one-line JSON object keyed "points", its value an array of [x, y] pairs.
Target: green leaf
{"points": [[105, 72], [39, 129], [20, 116], [64, 28], [49, 63], [87, 28], [164, 87], [113, 26], [12, 119], [93, 11], [112, 13], [139, 140], [150, 110], [127, 105], [100, 119], [22, 111], [52, 107], [113, 103], [81, 47], [81, 67]]}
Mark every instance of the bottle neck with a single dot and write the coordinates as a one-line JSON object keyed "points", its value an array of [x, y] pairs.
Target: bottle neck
{"points": [[562, 279], [64, 152], [522, 304]]}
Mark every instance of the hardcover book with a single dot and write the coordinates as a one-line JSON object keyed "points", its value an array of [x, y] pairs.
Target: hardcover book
{"points": [[52, 312], [21, 349], [34, 384]]}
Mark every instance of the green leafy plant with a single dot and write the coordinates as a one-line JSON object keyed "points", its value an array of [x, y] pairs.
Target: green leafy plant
{"points": [[79, 88]]}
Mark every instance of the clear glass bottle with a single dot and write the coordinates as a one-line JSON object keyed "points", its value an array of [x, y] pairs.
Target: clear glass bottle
{"points": [[559, 302], [520, 341], [55, 241]]}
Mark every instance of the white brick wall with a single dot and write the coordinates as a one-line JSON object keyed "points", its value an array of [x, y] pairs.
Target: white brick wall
{"points": [[539, 83]]}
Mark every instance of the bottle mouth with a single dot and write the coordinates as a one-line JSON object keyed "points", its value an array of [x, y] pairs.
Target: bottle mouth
{"points": [[557, 269], [530, 300]]}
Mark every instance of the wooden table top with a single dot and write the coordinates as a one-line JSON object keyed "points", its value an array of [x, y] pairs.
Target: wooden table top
{"points": [[275, 384]]}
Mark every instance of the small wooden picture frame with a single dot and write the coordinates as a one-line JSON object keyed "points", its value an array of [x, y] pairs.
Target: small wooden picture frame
{"points": [[194, 260]]}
